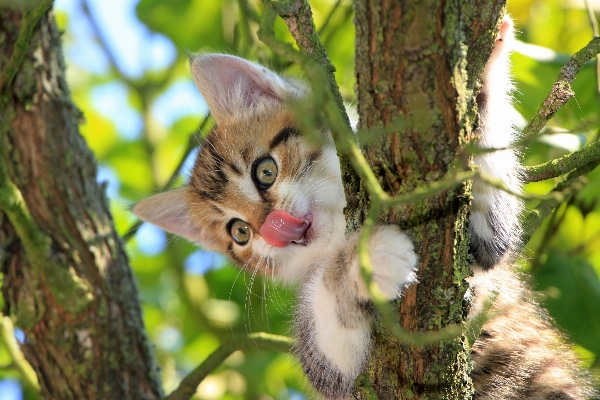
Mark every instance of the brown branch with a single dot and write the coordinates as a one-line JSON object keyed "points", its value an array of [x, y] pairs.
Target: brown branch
{"points": [[297, 15], [561, 91]]}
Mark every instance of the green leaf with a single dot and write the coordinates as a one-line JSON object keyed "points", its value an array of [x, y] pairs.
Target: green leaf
{"points": [[192, 25], [573, 299]]}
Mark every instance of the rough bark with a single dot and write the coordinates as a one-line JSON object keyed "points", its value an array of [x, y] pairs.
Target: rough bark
{"points": [[420, 61], [68, 285]]}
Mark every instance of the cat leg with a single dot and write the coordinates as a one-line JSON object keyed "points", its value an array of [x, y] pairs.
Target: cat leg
{"points": [[494, 224], [333, 317]]}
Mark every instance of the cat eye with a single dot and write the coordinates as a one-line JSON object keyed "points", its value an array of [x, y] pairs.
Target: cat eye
{"points": [[265, 172], [239, 231]]}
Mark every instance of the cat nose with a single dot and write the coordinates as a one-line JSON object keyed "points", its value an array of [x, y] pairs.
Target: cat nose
{"points": [[280, 229]]}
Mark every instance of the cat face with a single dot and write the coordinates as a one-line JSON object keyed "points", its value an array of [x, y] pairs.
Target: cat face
{"points": [[259, 192], [248, 170]]}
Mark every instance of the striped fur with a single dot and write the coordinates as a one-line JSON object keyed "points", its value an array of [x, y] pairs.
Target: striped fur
{"points": [[519, 354]]}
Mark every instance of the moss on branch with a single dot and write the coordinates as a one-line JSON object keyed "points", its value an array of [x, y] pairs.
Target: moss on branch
{"points": [[563, 165], [569, 185], [561, 91]]}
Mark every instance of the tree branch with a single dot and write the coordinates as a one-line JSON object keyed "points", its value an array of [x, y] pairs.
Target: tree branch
{"points": [[329, 17], [7, 336], [297, 15], [561, 91], [85, 6], [66, 282], [22, 45], [313, 58], [562, 165], [569, 185], [262, 341]]}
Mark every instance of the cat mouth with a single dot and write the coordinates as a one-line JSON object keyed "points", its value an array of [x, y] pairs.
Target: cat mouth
{"points": [[281, 229], [304, 241]]}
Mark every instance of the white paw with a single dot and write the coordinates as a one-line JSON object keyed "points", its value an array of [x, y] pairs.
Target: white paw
{"points": [[393, 259]]}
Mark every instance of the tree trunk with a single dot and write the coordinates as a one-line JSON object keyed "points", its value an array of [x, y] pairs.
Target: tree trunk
{"points": [[66, 280], [420, 62]]}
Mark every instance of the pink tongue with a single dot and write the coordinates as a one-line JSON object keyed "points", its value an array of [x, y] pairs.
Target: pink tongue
{"points": [[280, 228]]}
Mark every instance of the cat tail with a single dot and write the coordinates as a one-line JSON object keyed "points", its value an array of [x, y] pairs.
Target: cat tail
{"points": [[494, 226], [333, 318]]}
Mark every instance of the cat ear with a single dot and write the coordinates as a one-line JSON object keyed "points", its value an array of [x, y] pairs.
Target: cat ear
{"points": [[233, 87], [169, 211]]}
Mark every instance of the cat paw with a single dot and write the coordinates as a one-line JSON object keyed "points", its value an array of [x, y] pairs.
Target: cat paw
{"points": [[393, 259]]}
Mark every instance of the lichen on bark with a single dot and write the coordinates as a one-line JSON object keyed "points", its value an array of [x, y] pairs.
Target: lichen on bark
{"points": [[411, 64]]}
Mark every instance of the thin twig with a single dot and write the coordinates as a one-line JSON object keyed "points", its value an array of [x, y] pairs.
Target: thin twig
{"points": [[246, 42], [297, 15], [28, 23], [329, 17], [138, 87], [561, 91], [330, 35], [262, 341], [549, 233], [499, 184], [192, 144], [103, 43]]}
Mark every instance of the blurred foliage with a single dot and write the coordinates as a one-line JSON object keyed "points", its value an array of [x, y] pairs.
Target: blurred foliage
{"points": [[193, 300]]}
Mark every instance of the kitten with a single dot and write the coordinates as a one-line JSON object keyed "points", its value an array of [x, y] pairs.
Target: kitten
{"points": [[273, 202]]}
